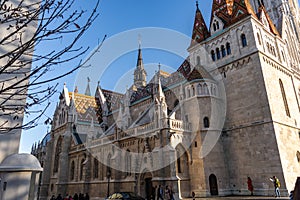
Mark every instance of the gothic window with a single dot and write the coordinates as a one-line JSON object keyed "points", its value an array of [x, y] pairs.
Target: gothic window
{"points": [[57, 153], [81, 169], [218, 53], [283, 57], [287, 110], [214, 26], [213, 55], [206, 122], [205, 89], [176, 103], [182, 160], [96, 168], [259, 40], [188, 92], [198, 60], [199, 88], [72, 170], [244, 40], [178, 164], [223, 51], [217, 25], [108, 167], [193, 91], [128, 163], [228, 48], [260, 2]]}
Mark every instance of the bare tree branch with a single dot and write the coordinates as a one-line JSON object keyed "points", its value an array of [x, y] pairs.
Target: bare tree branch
{"points": [[26, 26]]}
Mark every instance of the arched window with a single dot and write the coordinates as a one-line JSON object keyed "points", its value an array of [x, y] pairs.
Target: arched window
{"points": [[213, 55], [72, 170], [57, 153], [128, 163], [81, 169], [287, 110], [244, 40], [206, 122], [217, 25], [199, 89], [179, 170], [198, 60], [228, 48], [188, 92], [218, 53], [214, 27], [176, 103], [259, 40], [193, 91], [96, 168], [283, 57], [108, 167], [223, 51], [206, 89], [182, 160], [260, 2]]}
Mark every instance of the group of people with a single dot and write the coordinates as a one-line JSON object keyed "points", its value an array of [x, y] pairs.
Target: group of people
{"points": [[69, 197], [275, 181], [160, 193]]}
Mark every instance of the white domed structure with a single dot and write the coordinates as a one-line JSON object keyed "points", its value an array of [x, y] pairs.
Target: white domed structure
{"points": [[20, 162]]}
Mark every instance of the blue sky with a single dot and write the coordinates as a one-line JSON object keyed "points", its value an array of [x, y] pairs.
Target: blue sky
{"points": [[119, 16], [116, 17]]}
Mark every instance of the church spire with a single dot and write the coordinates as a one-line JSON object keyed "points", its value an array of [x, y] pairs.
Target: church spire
{"points": [[88, 90], [200, 31], [140, 73]]}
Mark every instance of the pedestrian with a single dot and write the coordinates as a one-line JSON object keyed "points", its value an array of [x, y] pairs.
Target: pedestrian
{"points": [[291, 195], [53, 197], [59, 197], [160, 193], [171, 193], [66, 197], [81, 196], [87, 197], [276, 184], [75, 197], [250, 186], [154, 192], [167, 193], [70, 198]]}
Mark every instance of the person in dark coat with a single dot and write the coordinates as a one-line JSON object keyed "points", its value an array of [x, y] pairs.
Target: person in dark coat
{"points": [[250, 186], [87, 197], [59, 197], [75, 197]]}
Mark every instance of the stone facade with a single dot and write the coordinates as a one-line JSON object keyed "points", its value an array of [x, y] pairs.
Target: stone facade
{"points": [[229, 112]]}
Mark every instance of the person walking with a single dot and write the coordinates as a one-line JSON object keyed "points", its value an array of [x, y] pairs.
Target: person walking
{"points": [[276, 184], [160, 193], [250, 186], [167, 193], [87, 196]]}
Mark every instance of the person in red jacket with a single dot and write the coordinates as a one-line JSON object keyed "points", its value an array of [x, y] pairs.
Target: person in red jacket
{"points": [[250, 186]]}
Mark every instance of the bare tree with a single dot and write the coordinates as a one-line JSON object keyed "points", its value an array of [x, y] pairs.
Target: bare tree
{"points": [[29, 24]]}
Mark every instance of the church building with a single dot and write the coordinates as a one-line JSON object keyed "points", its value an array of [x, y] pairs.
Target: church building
{"points": [[230, 111]]}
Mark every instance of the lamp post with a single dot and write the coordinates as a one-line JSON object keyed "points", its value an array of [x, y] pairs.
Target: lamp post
{"points": [[108, 175]]}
